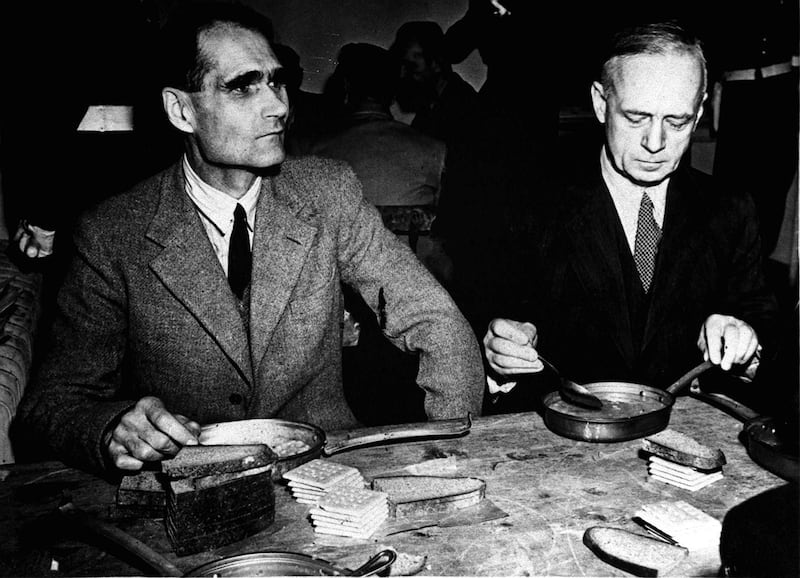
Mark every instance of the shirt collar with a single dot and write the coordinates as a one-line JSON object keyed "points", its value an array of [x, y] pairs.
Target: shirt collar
{"points": [[217, 206], [624, 191]]}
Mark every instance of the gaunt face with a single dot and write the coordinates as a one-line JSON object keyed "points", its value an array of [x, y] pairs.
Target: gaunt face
{"points": [[650, 115], [238, 118]]}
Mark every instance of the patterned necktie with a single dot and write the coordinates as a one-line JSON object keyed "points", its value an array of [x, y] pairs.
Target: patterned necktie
{"points": [[645, 247], [239, 261]]}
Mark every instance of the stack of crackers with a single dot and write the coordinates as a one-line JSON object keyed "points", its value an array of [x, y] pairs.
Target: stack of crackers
{"points": [[679, 475], [351, 512], [342, 505], [312, 480], [678, 459]]}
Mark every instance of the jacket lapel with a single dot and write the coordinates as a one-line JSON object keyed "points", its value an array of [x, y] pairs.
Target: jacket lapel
{"points": [[189, 268], [597, 263], [281, 245], [679, 246]]}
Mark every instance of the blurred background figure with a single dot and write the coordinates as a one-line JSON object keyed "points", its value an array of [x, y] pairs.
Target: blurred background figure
{"points": [[310, 114], [516, 40], [396, 164], [401, 171], [442, 104], [754, 74]]}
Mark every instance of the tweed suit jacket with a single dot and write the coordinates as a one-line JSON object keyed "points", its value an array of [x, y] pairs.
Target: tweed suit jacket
{"points": [[568, 280], [146, 310]]}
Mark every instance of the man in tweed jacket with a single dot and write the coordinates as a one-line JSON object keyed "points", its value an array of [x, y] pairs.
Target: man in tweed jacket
{"points": [[150, 341]]}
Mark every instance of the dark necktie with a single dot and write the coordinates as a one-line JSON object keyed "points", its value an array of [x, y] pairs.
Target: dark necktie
{"points": [[239, 261], [645, 246]]}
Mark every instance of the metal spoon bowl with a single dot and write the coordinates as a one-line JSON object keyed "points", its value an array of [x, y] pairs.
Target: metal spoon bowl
{"points": [[572, 392]]}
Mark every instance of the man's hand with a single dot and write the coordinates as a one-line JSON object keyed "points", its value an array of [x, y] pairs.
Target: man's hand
{"points": [[149, 433], [34, 241], [727, 341], [509, 347]]}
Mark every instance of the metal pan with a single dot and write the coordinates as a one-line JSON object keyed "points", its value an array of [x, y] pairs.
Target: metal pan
{"points": [[268, 563], [630, 410], [759, 435], [299, 442]]}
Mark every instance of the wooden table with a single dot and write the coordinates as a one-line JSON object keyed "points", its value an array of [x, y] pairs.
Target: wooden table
{"points": [[552, 488]]}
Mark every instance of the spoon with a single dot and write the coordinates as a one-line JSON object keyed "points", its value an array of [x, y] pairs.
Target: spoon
{"points": [[573, 393]]}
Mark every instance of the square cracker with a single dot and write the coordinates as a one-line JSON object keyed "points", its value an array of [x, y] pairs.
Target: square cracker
{"points": [[320, 473]]}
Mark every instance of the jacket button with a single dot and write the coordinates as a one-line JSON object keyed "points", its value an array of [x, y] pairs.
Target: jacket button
{"points": [[235, 399]]}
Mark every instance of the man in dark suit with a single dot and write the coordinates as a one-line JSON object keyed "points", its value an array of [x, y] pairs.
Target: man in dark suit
{"points": [[166, 321], [627, 274]]}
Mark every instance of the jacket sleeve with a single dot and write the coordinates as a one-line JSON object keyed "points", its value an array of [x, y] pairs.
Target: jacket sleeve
{"points": [[76, 394], [413, 310]]}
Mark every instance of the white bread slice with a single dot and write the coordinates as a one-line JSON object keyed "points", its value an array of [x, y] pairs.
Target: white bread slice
{"points": [[640, 555], [682, 449], [415, 495]]}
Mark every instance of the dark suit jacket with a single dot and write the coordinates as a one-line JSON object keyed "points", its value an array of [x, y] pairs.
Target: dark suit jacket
{"points": [[567, 276], [146, 310]]}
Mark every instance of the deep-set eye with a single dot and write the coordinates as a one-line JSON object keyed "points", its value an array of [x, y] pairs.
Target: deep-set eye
{"points": [[278, 79]]}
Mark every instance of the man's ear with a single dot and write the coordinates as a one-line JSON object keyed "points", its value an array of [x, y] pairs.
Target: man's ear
{"points": [[700, 111], [178, 108], [599, 101]]}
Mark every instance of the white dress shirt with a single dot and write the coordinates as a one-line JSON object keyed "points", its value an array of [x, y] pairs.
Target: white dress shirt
{"points": [[627, 197], [216, 208]]}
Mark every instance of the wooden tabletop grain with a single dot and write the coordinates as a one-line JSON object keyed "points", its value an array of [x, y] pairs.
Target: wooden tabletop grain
{"points": [[552, 489]]}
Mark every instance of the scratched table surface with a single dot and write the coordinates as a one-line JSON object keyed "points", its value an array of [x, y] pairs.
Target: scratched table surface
{"points": [[552, 489]]}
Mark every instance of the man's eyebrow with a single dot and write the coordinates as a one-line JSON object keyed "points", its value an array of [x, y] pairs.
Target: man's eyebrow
{"points": [[242, 80]]}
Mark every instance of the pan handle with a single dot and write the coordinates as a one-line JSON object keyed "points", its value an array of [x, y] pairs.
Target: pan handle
{"points": [[342, 440], [136, 547], [687, 377], [725, 403], [376, 564]]}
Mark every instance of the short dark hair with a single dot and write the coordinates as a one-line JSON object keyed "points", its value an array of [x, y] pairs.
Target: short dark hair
{"points": [[668, 37], [183, 64], [430, 37], [371, 71]]}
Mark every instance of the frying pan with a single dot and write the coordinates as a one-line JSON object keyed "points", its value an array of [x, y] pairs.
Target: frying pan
{"points": [[764, 446], [630, 410], [279, 433], [268, 563]]}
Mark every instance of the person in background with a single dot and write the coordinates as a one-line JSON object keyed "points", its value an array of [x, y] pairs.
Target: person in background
{"points": [[649, 266], [212, 290], [446, 107], [397, 164], [401, 172], [753, 66], [521, 117], [310, 114]]}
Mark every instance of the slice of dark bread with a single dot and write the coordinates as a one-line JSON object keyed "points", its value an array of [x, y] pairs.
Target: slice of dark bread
{"points": [[198, 461], [640, 555], [682, 449], [416, 495]]}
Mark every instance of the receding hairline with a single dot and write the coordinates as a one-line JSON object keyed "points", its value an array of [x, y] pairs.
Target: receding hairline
{"points": [[611, 71]]}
